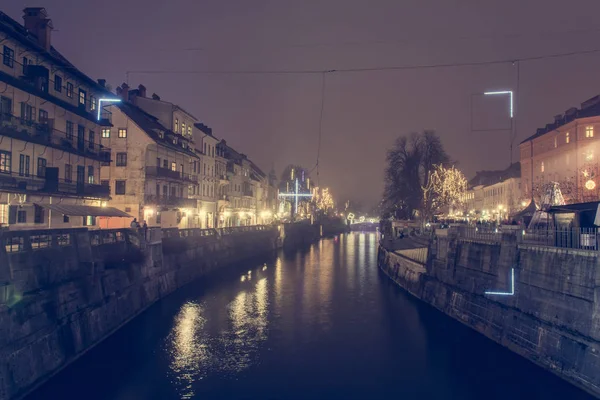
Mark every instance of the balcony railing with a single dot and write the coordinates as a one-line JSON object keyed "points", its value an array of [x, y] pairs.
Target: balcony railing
{"points": [[170, 201], [45, 134], [34, 184], [161, 172]]}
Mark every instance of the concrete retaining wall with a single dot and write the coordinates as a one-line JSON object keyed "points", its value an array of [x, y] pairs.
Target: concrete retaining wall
{"points": [[59, 300], [553, 317]]}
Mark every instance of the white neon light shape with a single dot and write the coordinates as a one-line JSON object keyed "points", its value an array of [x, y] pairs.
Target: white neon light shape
{"points": [[105, 101], [512, 286], [296, 195], [509, 92]]}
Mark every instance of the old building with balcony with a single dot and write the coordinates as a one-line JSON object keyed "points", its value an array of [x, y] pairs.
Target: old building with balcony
{"points": [[50, 124], [208, 188], [155, 169], [565, 151]]}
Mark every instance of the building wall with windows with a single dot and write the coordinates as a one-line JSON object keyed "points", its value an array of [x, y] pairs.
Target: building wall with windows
{"points": [[152, 176], [502, 199], [50, 150], [206, 145], [566, 152]]}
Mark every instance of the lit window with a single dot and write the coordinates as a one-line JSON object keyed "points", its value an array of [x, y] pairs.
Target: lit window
{"points": [[106, 133], [173, 166], [176, 124], [93, 103], [182, 128], [555, 141], [589, 131], [542, 167], [69, 89], [189, 130], [122, 133], [567, 138], [82, 97]]}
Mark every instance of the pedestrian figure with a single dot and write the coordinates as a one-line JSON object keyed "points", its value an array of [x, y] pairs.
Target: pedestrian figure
{"points": [[145, 228], [134, 224]]}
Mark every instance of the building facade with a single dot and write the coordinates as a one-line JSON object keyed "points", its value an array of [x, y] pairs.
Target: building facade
{"points": [[565, 151], [50, 125], [206, 146], [155, 169]]}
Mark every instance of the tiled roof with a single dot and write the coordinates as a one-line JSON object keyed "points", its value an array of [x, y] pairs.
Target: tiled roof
{"points": [[151, 126]]}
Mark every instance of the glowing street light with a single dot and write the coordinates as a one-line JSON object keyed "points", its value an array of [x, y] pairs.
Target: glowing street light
{"points": [[503, 92]]}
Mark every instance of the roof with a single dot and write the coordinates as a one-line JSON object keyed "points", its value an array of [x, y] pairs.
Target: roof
{"points": [[487, 178], [575, 208], [82, 211], [589, 108], [18, 32], [149, 124]]}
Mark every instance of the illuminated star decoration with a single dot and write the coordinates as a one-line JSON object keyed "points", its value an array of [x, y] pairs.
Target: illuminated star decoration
{"points": [[296, 195], [512, 286], [509, 92], [100, 101]]}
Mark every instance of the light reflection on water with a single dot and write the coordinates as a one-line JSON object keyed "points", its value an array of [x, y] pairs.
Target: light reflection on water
{"points": [[195, 351]]}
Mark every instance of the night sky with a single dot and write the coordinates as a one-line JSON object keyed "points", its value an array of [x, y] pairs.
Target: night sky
{"points": [[275, 118]]}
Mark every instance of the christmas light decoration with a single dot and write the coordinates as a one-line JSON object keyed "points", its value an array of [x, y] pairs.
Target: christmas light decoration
{"points": [[508, 92], [100, 101], [590, 185]]}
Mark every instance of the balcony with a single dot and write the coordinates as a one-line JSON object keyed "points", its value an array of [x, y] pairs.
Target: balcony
{"points": [[36, 185], [160, 172], [223, 179], [171, 201], [223, 198], [45, 134]]}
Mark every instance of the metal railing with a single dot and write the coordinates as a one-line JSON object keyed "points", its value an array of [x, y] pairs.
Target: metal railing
{"points": [[567, 238], [170, 201], [45, 134], [34, 184], [197, 232], [488, 235], [161, 172], [37, 239]]}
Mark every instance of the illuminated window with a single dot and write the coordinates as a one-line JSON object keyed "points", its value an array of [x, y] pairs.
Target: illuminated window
{"points": [[69, 89], [106, 133], [589, 131], [182, 128], [189, 130], [122, 133], [173, 166], [176, 124], [567, 138], [82, 97], [93, 103], [542, 167]]}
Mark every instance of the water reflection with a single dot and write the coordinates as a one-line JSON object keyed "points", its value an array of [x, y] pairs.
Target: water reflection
{"points": [[196, 351]]}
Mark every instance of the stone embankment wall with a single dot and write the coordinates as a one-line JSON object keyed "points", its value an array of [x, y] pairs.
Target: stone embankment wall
{"points": [[553, 317], [63, 291]]}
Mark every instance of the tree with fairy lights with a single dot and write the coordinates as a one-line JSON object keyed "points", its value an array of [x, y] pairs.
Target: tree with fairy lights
{"points": [[445, 187], [295, 178], [322, 201]]}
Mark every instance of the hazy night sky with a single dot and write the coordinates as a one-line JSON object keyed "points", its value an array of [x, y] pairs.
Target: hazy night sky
{"points": [[274, 118]]}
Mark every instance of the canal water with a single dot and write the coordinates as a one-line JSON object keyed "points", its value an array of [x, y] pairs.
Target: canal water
{"points": [[322, 323]]}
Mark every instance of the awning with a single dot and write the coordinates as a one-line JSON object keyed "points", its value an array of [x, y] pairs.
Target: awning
{"points": [[83, 211]]}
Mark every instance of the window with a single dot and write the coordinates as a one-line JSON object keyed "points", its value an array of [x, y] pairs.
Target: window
{"points": [[21, 216], [173, 166], [122, 132], [80, 137], [205, 150], [91, 179], [189, 130], [82, 97], [158, 217], [181, 168], [41, 167], [38, 214], [589, 131], [25, 64], [27, 112], [106, 132], [57, 83], [165, 164], [5, 161], [8, 58], [567, 138], [91, 139], [93, 103], [23, 165], [121, 159], [68, 173], [157, 190], [66, 219], [119, 187], [542, 167], [182, 128], [89, 220], [176, 124], [69, 89], [555, 141], [80, 174], [69, 130], [165, 191], [43, 116]]}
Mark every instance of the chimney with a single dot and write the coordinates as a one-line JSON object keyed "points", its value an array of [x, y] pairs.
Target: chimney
{"points": [[119, 91], [155, 96], [125, 91], [37, 22], [142, 90], [102, 82]]}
